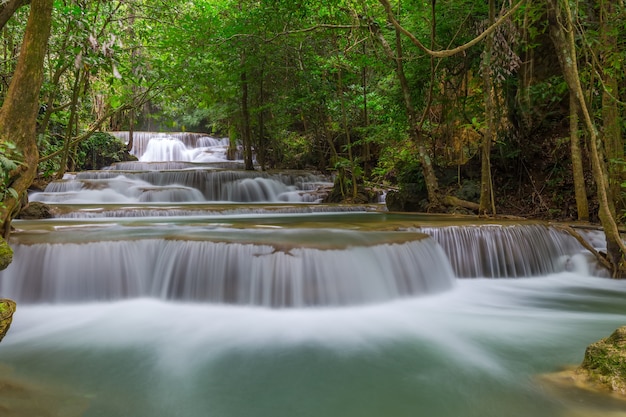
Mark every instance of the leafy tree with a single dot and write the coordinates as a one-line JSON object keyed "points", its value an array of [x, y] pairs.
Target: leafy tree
{"points": [[19, 110]]}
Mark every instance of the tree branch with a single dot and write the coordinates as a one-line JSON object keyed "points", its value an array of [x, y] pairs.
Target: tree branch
{"points": [[602, 260], [291, 32], [8, 8], [137, 101], [95, 126], [446, 52]]}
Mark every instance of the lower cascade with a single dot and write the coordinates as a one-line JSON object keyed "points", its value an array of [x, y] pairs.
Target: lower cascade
{"points": [[225, 272], [504, 251]]}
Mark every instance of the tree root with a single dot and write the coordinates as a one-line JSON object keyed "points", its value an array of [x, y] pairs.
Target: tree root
{"points": [[601, 258]]}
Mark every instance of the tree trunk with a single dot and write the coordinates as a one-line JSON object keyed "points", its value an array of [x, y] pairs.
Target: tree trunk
{"points": [[430, 179], [580, 190], [611, 121], [262, 142], [18, 115], [69, 130], [486, 190], [562, 33], [131, 129], [346, 129], [246, 135]]}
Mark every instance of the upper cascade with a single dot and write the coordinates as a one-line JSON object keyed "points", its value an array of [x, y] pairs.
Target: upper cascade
{"points": [[176, 146], [183, 168]]}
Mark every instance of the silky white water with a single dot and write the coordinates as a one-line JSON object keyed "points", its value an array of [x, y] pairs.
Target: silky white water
{"points": [[130, 306], [472, 351]]}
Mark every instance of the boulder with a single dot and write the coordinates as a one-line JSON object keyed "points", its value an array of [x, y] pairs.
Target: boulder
{"points": [[600, 379], [7, 308], [6, 254], [605, 362], [35, 210]]}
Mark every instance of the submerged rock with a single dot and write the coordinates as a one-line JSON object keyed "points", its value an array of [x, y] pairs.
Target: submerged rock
{"points": [[7, 308], [605, 362], [21, 396]]}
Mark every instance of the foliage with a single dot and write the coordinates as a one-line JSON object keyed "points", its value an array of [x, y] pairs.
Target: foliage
{"points": [[321, 91], [9, 162], [100, 150]]}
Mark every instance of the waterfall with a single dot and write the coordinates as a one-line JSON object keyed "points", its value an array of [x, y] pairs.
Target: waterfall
{"points": [[194, 288], [504, 251], [210, 185], [142, 141], [225, 272], [183, 176]]}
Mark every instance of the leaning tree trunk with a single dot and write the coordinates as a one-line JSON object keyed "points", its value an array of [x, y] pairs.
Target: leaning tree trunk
{"points": [[18, 115], [415, 132], [562, 34]]}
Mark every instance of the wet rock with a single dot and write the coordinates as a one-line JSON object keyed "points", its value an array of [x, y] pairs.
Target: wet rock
{"points": [[601, 378], [35, 210], [605, 362], [7, 308], [6, 254]]}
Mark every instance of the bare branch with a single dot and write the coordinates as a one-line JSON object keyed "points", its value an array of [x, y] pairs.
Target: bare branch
{"points": [[291, 32]]}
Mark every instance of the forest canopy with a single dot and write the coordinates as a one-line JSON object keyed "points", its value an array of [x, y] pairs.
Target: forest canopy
{"points": [[497, 107]]}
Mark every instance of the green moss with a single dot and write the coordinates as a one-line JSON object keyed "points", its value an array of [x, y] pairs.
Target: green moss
{"points": [[605, 361], [7, 308], [6, 254]]}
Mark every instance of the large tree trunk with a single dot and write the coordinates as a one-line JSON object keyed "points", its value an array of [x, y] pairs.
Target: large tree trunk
{"points": [[18, 115], [562, 34]]}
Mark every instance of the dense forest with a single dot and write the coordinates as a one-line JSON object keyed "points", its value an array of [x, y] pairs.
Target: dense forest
{"points": [[496, 107]]}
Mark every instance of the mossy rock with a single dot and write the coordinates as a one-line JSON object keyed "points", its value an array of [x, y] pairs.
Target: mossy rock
{"points": [[35, 210], [605, 361], [7, 308], [6, 254]]}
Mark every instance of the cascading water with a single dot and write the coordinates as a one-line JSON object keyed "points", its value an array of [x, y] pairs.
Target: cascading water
{"points": [[501, 251], [193, 288]]}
